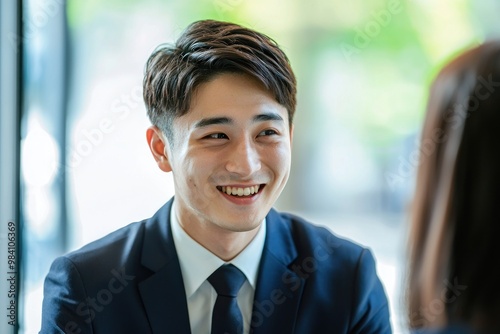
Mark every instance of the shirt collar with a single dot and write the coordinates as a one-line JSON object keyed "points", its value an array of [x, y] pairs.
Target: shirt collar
{"points": [[197, 263]]}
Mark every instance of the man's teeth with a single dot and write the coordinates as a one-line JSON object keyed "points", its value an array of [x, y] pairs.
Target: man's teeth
{"points": [[236, 191]]}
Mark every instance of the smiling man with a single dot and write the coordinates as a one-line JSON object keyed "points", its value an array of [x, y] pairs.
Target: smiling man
{"points": [[217, 258]]}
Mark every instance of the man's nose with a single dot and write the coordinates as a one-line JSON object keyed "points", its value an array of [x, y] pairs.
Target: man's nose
{"points": [[244, 158]]}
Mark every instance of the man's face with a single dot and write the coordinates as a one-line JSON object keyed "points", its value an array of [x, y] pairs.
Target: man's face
{"points": [[230, 156]]}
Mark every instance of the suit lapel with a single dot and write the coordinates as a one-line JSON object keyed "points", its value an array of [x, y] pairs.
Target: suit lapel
{"points": [[279, 289], [165, 302], [163, 292]]}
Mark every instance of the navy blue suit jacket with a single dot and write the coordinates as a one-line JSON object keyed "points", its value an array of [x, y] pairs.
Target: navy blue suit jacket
{"points": [[130, 281]]}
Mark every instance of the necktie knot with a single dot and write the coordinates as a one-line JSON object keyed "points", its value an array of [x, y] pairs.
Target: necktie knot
{"points": [[227, 280]]}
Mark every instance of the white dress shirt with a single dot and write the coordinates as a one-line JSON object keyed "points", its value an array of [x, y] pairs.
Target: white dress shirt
{"points": [[197, 264]]}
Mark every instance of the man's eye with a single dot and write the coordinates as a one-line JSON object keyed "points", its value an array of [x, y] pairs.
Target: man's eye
{"points": [[268, 133], [217, 136]]}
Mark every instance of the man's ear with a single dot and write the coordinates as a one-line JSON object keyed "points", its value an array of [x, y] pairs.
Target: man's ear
{"points": [[157, 144]]}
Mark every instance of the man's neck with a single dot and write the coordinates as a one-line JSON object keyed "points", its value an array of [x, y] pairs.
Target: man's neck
{"points": [[224, 243]]}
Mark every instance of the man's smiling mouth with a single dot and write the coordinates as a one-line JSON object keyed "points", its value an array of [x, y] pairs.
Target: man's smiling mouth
{"points": [[240, 191]]}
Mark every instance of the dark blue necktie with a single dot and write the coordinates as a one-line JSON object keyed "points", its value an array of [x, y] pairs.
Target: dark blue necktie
{"points": [[226, 316]]}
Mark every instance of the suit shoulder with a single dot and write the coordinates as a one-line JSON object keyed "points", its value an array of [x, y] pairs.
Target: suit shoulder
{"points": [[110, 248], [124, 248], [313, 237]]}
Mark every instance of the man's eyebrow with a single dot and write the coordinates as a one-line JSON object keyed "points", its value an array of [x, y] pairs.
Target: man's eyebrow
{"points": [[212, 121], [269, 116]]}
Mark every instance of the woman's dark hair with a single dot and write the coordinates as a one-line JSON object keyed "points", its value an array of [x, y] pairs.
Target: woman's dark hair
{"points": [[453, 271], [204, 50]]}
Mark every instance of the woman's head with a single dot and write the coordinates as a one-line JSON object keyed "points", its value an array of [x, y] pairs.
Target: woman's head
{"points": [[455, 220]]}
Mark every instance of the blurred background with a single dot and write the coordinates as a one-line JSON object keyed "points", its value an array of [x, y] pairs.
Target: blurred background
{"points": [[363, 70]]}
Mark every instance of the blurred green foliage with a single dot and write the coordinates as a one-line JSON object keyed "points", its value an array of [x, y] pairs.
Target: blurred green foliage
{"points": [[380, 40]]}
